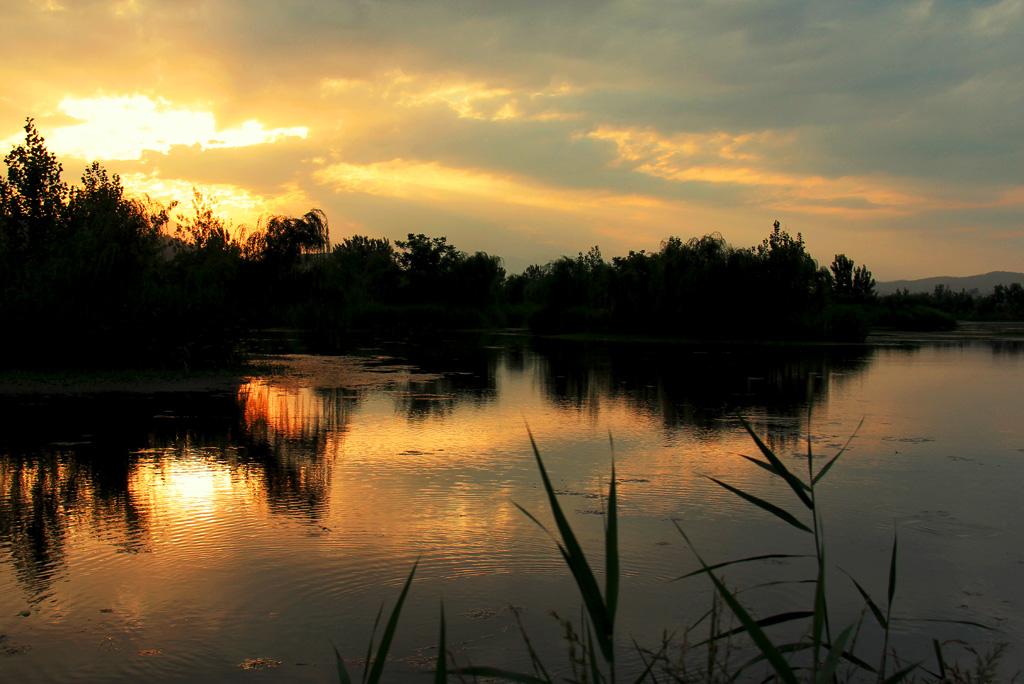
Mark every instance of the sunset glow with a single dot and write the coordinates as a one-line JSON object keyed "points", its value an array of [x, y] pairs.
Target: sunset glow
{"points": [[117, 128], [886, 131]]}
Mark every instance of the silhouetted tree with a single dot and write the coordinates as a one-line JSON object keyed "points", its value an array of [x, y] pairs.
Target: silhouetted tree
{"points": [[1008, 300], [849, 282], [33, 200], [283, 239], [428, 264]]}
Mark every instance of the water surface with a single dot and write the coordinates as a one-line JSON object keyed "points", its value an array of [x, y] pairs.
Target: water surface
{"points": [[165, 536]]}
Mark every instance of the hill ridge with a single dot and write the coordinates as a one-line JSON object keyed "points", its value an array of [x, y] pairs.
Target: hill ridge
{"points": [[982, 284]]}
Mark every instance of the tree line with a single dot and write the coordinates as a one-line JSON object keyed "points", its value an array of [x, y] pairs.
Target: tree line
{"points": [[92, 276]]}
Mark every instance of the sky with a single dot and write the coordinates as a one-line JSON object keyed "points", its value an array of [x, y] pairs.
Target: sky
{"points": [[890, 131]]}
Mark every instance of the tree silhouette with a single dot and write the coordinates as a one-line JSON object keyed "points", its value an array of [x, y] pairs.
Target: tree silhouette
{"points": [[849, 282], [32, 198], [283, 239]]}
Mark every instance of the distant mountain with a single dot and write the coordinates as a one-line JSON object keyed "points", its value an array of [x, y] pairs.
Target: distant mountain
{"points": [[978, 284]]}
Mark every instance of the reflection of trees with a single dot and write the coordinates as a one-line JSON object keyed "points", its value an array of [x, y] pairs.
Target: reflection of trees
{"points": [[288, 437], [464, 368], [1007, 348], [691, 385], [72, 465], [33, 498], [65, 464]]}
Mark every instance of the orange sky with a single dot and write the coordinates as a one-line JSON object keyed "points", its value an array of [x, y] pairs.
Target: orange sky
{"points": [[890, 131]]}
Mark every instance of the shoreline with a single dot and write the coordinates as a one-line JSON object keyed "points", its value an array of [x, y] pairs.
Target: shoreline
{"points": [[138, 381]]}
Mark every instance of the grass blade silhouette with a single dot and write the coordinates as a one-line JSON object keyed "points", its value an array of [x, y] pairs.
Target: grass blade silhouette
{"points": [[611, 547], [821, 473], [770, 507], [771, 653], [372, 674], [724, 564], [389, 630], [794, 482], [441, 671], [574, 557], [835, 654]]}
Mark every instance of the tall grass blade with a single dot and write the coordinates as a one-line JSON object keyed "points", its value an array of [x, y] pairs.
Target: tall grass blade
{"points": [[369, 646], [648, 664], [827, 466], [888, 610], [771, 469], [441, 671], [766, 466], [794, 482], [760, 639], [828, 670], [766, 556], [938, 657], [343, 676], [778, 619], [796, 647], [882, 622], [572, 552], [892, 572], [389, 631], [761, 503], [535, 520], [611, 550], [591, 655], [901, 675], [820, 609], [538, 666]]}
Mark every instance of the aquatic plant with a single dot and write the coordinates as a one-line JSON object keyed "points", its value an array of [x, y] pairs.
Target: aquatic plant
{"points": [[816, 656]]}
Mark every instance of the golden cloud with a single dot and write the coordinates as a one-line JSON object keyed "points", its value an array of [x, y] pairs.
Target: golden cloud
{"points": [[431, 181], [468, 99], [744, 160], [122, 127]]}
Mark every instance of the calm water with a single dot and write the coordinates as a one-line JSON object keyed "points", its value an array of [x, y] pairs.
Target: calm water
{"points": [[177, 535]]}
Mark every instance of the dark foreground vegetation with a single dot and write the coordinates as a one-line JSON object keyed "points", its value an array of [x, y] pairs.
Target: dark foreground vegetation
{"points": [[91, 277], [728, 643]]}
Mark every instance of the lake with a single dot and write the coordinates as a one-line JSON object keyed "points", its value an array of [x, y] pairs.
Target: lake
{"points": [[202, 531]]}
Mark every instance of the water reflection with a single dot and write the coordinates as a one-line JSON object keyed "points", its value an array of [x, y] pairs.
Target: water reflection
{"points": [[695, 387], [271, 507], [287, 436], [119, 466]]}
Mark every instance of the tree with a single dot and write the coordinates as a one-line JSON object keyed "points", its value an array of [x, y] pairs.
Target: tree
{"points": [[428, 256], [842, 274], [863, 283], [205, 230], [428, 264], [851, 282], [33, 199], [363, 271], [283, 239], [1009, 300]]}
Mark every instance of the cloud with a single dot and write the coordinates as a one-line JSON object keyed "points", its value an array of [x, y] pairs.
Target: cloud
{"points": [[123, 127], [861, 121]]}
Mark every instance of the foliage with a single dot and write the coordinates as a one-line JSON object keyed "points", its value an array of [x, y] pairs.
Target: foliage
{"points": [[849, 282], [33, 200], [699, 289], [136, 287]]}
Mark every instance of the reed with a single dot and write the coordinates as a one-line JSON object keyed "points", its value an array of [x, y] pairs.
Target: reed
{"points": [[815, 657]]}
